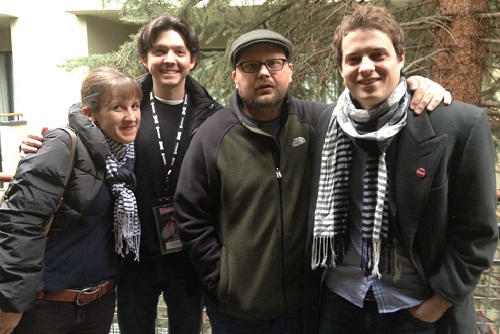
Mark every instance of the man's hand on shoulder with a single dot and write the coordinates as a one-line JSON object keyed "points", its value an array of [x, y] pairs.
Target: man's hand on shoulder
{"points": [[31, 143], [427, 94]]}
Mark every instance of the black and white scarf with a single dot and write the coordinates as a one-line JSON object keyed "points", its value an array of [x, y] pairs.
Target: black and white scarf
{"points": [[121, 178], [373, 131]]}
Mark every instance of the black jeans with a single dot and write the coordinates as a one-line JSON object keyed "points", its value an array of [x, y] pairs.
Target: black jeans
{"points": [[50, 317], [339, 316], [139, 288], [223, 323]]}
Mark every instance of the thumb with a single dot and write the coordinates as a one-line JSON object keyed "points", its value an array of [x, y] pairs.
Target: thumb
{"points": [[44, 129], [413, 82]]}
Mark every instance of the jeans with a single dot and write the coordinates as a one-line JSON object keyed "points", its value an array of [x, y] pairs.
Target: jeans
{"points": [[51, 317], [223, 323], [339, 316], [140, 286]]}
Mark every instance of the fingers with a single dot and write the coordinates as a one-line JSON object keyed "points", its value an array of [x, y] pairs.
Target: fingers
{"points": [[413, 82], [428, 96], [31, 143], [418, 85], [432, 97], [33, 139], [29, 148], [447, 98]]}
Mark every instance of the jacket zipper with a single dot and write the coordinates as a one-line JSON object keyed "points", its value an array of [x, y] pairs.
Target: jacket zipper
{"points": [[276, 151]]}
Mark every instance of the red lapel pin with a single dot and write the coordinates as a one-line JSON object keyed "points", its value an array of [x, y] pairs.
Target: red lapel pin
{"points": [[421, 173]]}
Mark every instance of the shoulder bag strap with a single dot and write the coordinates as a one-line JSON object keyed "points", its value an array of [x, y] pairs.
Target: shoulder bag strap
{"points": [[71, 162]]}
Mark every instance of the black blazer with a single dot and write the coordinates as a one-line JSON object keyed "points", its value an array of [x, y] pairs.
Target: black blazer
{"points": [[446, 212]]}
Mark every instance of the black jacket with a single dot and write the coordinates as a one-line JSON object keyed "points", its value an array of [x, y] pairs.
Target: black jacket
{"points": [[243, 223], [447, 219], [34, 195], [149, 168]]}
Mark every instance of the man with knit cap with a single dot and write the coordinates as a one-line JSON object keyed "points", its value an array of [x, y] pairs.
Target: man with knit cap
{"points": [[243, 194]]}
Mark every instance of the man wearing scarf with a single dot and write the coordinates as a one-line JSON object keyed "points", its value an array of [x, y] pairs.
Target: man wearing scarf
{"points": [[404, 214]]}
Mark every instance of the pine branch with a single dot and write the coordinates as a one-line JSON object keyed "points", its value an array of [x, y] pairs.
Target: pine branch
{"points": [[489, 15], [424, 59], [489, 40]]}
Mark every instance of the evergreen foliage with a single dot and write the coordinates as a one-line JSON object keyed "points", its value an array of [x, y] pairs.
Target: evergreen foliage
{"points": [[309, 24]]}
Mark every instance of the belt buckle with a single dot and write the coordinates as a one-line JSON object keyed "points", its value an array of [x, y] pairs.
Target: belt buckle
{"points": [[84, 290]]}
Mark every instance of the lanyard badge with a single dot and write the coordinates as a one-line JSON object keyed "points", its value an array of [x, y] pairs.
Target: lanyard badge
{"points": [[164, 213], [163, 208]]}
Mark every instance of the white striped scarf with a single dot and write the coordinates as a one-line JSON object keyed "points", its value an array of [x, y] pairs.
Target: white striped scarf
{"points": [[373, 131], [121, 178]]}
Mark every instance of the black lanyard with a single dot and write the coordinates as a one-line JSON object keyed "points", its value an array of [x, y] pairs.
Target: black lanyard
{"points": [[177, 139]]}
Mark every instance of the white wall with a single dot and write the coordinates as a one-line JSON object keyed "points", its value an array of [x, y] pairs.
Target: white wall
{"points": [[43, 34]]}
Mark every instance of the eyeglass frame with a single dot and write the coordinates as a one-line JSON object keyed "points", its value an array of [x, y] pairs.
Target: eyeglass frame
{"points": [[284, 60]]}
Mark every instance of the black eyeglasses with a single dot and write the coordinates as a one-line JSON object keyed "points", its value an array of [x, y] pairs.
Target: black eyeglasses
{"points": [[254, 66]]}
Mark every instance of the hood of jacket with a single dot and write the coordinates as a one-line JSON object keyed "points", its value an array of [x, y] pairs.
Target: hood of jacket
{"points": [[90, 135]]}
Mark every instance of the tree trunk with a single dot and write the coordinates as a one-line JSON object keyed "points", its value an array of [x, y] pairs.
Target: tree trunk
{"points": [[461, 69]]}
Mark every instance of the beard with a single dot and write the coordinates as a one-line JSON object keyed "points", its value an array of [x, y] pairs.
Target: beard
{"points": [[262, 101]]}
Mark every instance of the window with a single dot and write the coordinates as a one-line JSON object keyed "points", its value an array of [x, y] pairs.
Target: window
{"points": [[6, 84]]}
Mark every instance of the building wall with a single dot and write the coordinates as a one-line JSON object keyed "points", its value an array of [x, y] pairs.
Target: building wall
{"points": [[41, 36], [5, 44], [106, 36]]}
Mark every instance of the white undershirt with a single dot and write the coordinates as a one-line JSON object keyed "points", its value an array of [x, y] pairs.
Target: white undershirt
{"points": [[170, 102]]}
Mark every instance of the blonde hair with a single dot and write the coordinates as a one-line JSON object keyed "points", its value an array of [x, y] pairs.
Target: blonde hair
{"points": [[101, 84]]}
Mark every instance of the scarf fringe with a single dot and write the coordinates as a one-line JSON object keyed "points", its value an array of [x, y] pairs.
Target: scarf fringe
{"points": [[322, 251], [125, 229], [377, 245], [378, 257], [326, 250]]}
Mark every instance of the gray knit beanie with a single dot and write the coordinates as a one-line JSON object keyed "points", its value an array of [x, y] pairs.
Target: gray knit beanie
{"points": [[258, 36]]}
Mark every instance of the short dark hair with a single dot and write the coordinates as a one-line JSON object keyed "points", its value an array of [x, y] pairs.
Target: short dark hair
{"points": [[370, 17], [149, 33]]}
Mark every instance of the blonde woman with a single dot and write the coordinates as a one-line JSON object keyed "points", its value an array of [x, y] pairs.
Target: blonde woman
{"points": [[63, 282]]}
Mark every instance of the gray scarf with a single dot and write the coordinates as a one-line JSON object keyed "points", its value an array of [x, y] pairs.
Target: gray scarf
{"points": [[373, 131], [121, 178]]}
